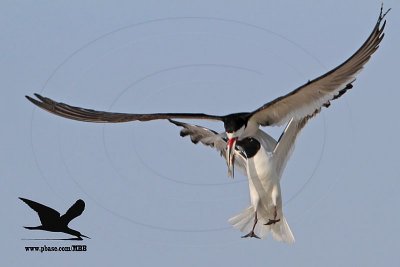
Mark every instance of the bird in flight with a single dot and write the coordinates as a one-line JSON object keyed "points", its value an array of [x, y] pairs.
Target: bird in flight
{"points": [[51, 219], [263, 160], [298, 104], [242, 143]]}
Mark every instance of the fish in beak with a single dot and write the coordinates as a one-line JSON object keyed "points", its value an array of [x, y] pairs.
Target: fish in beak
{"points": [[230, 159]]}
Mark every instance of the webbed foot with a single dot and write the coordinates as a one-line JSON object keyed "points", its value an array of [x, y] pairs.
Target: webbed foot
{"points": [[251, 234]]}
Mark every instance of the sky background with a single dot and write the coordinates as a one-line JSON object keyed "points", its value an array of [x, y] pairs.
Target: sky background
{"points": [[152, 197]]}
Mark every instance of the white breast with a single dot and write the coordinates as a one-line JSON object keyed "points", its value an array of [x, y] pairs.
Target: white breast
{"points": [[263, 180]]}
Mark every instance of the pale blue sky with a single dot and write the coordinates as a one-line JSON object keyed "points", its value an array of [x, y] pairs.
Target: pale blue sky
{"points": [[153, 198]]}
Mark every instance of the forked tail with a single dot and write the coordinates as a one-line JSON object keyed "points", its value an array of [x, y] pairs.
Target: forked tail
{"points": [[244, 222], [281, 231]]}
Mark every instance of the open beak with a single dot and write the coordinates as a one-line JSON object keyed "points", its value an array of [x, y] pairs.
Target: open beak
{"points": [[230, 146], [85, 236]]}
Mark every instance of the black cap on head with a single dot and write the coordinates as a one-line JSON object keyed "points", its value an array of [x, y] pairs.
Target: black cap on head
{"points": [[234, 122]]}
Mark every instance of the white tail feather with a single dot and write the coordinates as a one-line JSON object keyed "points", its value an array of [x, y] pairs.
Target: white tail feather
{"points": [[244, 220], [280, 230]]}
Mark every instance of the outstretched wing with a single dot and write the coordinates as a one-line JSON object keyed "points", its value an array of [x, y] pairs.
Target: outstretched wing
{"points": [[210, 138], [305, 100], [90, 115], [46, 214], [285, 145], [73, 212]]}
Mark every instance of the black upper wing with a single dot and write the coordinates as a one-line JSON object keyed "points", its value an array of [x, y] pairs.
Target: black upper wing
{"points": [[46, 214], [90, 115], [305, 100], [73, 212]]}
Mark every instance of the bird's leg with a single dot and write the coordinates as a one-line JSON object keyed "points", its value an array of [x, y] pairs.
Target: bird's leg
{"points": [[273, 221], [252, 234]]}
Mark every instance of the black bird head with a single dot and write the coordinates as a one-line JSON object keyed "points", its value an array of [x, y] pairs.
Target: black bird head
{"points": [[51, 219], [249, 147], [76, 233], [235, 126]]}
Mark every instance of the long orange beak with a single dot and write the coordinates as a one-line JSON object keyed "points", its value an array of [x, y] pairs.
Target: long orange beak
{"points": [[230, 156]]}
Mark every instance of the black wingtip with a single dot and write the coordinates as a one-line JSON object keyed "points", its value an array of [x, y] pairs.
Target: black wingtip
{"points": [[42, 98], [29, 98], [383, 14], [42, 102], [35, 101], [26, 201]]}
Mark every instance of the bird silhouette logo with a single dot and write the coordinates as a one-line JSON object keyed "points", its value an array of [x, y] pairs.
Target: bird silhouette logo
{"points": [[52, 221]]}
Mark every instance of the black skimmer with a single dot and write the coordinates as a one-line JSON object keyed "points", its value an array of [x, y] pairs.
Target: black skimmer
{"points": [[300, 103], [51, 219], [263, 160]]}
